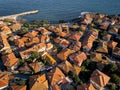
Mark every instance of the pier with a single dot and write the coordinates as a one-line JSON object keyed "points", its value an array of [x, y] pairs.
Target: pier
{"points": [[14, 16]]}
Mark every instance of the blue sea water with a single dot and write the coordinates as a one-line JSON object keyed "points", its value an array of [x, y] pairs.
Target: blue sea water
{"points": [[54, 10]]}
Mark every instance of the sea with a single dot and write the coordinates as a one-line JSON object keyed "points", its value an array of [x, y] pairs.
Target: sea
{"points": [[55, 10]]}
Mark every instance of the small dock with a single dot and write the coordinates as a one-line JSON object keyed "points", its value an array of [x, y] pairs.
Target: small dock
{"points": [[14, 16]]}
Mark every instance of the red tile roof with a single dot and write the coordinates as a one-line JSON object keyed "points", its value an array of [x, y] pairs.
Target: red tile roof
{"points": [[78, 58], [99, 78], [85, 87], [4, 80], [76, 36], [9, 60]]}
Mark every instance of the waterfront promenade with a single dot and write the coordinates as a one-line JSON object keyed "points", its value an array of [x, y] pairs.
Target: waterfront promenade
{"points": [[14, 16]]}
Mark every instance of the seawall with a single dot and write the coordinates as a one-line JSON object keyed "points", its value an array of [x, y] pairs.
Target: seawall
{"points": [[14, 16]]}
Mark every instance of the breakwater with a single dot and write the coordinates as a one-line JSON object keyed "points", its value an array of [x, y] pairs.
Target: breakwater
{"points": [[14, 16]]}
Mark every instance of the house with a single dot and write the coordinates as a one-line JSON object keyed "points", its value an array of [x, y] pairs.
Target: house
{"points": [[63, 85], [13, 37], [62, 34], [56, 28], [67, 66], [102, 48], [87, 42], [77, 69], [96, 57], [78, 58], [21, 41], [10, 61], [62, 42], [89, 17], [65, 27], [116, 52], [36, 66], [114, 30], [18, 87], [2, 24], [49, 46], [26, 53], [112, 44], [104, 25], [5, 30], [25, 68], [43, 31], [57, 40], [16, 26], [4, 81], [40, 47], [107, 37], [4, 45], [63, 55], [85, 87], [99, 79], [44, 38], [31, 34], [38, 82], [75, 46], [32, 41], [83, 27], [99, 58], [85, 21], [101, 16], [76, 36], [56, 77], [50, 59]]}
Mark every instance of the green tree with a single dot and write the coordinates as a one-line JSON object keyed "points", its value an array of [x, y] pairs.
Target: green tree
{"points": [[113, 67], [35, 55], [115, 79], [45, 23], [75, 78], [24, 30], [21, 82], [21, 61], [112, 86], [41, 23], [44, 61], [86, 63]]}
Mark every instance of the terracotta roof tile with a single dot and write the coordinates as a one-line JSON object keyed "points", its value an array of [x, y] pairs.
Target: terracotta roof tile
{"points": [[55, 75], [16, 26], [38, 82], [85, 87], [76, 36], [63, 55], [31, 34], [9, 60], [4, 80], [6, 30], [99, 78], [17, 87], [78, 58], [112, 44]]}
